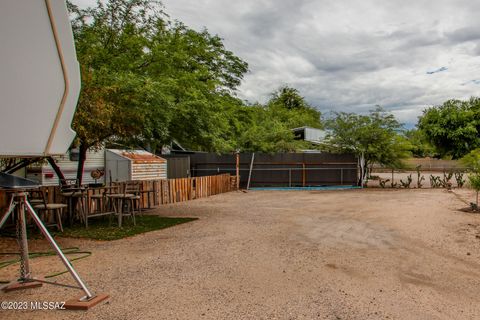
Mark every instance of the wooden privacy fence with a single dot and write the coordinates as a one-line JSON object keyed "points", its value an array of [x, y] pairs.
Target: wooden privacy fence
{"points": [[158, 192], [154, 192]]}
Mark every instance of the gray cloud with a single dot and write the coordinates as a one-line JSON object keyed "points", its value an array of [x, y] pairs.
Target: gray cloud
{"points": [[348, 55]]}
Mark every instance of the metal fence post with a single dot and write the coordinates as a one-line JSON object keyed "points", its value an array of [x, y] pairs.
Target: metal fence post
{"points": [[290, 177]]}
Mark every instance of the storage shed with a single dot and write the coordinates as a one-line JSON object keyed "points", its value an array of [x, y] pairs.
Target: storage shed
{"points": [[127, 165]]}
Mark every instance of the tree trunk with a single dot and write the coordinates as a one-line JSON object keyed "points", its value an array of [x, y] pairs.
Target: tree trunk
{"points": [[82, 156], [58, 172], [363, 170], [393, 175]]}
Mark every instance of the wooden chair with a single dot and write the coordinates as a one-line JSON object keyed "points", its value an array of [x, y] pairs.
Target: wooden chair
{"points": [[76, 196], [134, 188], [127, 198], [39, 203], [99, 204]]}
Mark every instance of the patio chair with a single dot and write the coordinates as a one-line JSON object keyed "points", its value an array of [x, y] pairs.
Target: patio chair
{"points": [[99, 204], [76, 196], [128, 198], [39, 203]]}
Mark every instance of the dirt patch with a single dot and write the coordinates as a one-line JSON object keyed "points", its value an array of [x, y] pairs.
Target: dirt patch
{"points": [[359, 254]]}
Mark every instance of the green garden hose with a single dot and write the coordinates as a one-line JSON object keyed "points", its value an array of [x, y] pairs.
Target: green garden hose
{"points": [[33, 255]]}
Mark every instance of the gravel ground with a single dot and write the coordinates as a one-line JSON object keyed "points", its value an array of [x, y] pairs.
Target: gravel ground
{"points": [[358, 254]]}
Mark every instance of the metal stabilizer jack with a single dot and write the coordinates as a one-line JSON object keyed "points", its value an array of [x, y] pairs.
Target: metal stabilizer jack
{"points": [[19, 205]]}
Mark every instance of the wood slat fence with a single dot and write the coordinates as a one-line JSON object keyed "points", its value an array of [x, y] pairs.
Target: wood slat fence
{"points": [[158, 192], [155, 192]]}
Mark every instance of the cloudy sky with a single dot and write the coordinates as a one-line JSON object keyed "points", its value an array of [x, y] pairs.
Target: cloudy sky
{"points": [[348, 55]]}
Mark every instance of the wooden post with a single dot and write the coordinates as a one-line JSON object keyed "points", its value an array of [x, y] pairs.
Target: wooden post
{"points": [[238, 170], [303, 174], [250, 172]]}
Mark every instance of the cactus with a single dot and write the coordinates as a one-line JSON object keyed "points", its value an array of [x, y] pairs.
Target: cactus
{"points": [[435, 181], [383, 182], [459, 179], [446, 179], [420, 178], [406, 184]]}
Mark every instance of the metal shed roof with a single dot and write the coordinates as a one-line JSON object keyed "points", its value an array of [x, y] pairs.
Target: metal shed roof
{"points": [[139, 156]]}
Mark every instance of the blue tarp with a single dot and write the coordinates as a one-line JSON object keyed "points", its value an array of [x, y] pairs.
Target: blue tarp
{"points": [[313, 188]]}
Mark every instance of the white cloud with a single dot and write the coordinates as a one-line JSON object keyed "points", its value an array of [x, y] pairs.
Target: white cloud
{"points": [[348, 55]]}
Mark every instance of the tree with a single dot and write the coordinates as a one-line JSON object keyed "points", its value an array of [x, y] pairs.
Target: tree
{"points": [[472, 162], [289, 98], [110, 41], [452, 128], [420, 147], [268, 128], [373, 138], [147, 80]]}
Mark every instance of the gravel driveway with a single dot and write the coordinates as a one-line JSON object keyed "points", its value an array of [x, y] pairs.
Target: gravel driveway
{"points": [[359, 254]]}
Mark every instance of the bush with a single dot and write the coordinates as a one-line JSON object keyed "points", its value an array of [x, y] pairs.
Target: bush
{"points": [[474, 179]]}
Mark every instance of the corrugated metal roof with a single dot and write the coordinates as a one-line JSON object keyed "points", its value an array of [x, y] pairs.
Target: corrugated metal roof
{"points": [[139, 156]]}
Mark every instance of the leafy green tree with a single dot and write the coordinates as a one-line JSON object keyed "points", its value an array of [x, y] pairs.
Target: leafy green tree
{"points": [[268, 128], [147, 80], [474, 179], [421, 148], [264, 133], [111, 41], [373, 138], [453, 128], [472, 162], [288, 98], [289, 107]]}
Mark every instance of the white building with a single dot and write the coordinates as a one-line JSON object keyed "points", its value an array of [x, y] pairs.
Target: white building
{"points": [[313, 135]]}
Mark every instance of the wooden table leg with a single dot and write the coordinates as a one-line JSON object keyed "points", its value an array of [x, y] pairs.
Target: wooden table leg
{"points": [[120, 212]]}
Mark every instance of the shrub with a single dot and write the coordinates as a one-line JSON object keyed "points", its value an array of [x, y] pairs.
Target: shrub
{"points": [[474, 179]]}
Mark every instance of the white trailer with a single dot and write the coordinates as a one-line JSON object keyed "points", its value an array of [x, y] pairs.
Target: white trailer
{"points": [[44, 174]]}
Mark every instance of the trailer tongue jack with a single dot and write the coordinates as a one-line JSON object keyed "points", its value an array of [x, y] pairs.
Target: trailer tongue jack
{"points": [[19, 207]]}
